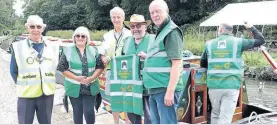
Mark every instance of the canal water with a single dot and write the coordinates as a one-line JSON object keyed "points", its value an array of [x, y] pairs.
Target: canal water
{"points": [[262, 93]]}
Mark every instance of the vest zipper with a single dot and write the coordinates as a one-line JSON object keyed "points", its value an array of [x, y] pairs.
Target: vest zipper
{"points": [[41, 80]]}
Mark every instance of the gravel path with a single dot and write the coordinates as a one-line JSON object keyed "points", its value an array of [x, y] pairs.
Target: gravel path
{"points": [[8, 100]]}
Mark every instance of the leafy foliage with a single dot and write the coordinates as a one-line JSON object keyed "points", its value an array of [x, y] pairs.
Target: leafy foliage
{"points": [[7, 15], [94, 14]]}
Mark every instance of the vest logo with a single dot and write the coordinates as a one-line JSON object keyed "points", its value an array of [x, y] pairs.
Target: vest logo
{"points": [[49, 74], [221, 44], [30, 60], [29, 76], [129, 88], [124, 64]]}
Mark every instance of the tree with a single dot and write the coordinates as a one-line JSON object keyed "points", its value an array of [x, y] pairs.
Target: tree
{"points": [[94, 14], [7, 14]]}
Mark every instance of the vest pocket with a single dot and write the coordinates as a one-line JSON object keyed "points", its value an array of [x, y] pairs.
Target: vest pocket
{"points": [[72, 90]]}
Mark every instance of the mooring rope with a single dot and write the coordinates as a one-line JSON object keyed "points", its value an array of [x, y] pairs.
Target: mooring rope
{"points": [[259, 119]]}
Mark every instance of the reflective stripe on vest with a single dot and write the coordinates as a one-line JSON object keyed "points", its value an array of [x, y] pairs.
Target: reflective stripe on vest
{"points": [[80, 71], [157, 69], [72, 81], [137, 95], [134, 82], [224, 71]]}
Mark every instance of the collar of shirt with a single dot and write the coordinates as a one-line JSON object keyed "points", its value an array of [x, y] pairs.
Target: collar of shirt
{"points": [[33, 42], [166, 21]]}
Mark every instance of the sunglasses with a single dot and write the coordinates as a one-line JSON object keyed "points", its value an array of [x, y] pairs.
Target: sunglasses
{"points": [[34, 26], [80, 36], [132, 26]]}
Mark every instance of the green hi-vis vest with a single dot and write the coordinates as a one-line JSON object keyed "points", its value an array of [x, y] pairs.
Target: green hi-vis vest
{"points": [[157, 66], [224, 63], [35, 78], [125, 85], [72, 87], [129, 48]]}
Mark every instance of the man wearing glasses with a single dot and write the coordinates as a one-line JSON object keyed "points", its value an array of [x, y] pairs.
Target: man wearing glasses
{"points": [[137, 44], [33, 66]]}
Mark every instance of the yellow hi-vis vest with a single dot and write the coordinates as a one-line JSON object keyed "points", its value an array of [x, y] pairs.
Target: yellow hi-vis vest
{"points": [[35, 78]]}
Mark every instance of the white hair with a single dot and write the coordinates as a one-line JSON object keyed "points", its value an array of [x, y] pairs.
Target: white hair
{"points": [[117, 9], [36, 20], [81, 30], [161, 3]]}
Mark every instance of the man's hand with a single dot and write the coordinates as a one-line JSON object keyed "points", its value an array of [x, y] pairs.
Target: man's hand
{"points": [[142, 54], [80, 78], [105, 60], [247, 25], [169, 98]]}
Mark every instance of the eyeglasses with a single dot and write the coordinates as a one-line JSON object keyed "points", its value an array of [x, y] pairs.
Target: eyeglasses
{"points": [[80, 36], [34, 26], [132, 26]]}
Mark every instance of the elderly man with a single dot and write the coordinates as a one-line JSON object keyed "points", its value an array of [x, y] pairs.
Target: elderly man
{"points": [[222, 57], [137, 44], [33, 66], [112, 46], [163, 66]]}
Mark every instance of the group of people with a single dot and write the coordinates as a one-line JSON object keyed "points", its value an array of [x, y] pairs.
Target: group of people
{"points": [[35, 60]]}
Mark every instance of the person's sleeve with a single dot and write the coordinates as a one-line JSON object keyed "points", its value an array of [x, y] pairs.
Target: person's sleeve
{"points": [[174, 44], [104, 46], [63, 64], [99, 63], [204, 59], [251, 43], [13, 68]]}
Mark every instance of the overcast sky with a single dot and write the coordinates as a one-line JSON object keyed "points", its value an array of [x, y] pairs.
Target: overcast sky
{"points": [[17, 6]]}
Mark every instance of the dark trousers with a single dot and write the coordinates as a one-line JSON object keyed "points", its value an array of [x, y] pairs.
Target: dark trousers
{"points": [[84, 104], [136, 119], [26, 108]]}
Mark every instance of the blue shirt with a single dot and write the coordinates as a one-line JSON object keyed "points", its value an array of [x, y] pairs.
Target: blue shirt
{"points": [[13, 65]]}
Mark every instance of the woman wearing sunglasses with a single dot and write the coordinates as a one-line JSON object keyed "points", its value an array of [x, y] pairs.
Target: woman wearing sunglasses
{"points": [[81, 65]]}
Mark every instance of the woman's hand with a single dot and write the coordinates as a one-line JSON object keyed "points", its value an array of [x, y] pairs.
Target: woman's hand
{"points": [[87, 81], [80, 78]]}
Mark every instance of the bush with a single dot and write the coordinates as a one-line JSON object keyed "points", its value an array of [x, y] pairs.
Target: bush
{"points": [[257, 59]]}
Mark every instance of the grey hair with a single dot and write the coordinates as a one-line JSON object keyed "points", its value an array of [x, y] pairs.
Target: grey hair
{"points": [[226, 28], [161, 3], [81, 30], [35, 18], [117, 9]]}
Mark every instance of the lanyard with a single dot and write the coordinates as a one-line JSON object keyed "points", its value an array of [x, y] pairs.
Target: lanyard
{"points": [[39, 55], [118, 40]]}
